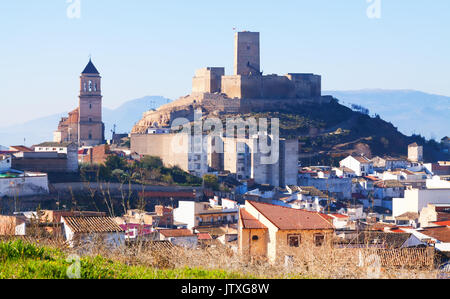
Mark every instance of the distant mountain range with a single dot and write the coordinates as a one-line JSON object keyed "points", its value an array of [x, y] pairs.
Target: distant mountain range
{"points": [[412, 112], [41, 129]]}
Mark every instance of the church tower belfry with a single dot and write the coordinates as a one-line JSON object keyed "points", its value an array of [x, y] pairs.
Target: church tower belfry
{"points": [[90, 126]]}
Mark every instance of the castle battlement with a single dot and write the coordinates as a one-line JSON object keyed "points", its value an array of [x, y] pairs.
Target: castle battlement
{"points": [[249, 83]]}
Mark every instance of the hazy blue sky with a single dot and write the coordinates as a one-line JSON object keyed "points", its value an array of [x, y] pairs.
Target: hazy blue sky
{"points": [[153, 47]]}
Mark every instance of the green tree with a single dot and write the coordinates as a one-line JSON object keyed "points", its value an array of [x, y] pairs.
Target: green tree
{"points": [[151, 162], [211, 181], [115, 162]]}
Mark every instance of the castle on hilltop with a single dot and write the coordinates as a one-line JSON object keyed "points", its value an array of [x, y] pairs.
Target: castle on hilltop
{"points": [[248, 82], [246, 91], [84, 125]]}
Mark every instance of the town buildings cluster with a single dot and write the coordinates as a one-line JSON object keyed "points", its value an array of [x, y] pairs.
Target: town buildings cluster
{"points": [[270, 210]]}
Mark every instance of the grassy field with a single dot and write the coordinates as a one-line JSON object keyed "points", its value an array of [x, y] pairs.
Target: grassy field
{"points": [[21, 260], [46, 259]]}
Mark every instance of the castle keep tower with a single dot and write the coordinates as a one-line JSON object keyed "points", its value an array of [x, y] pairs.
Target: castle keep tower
{"points": [[248, 82], [247, 54], [90, 126]]}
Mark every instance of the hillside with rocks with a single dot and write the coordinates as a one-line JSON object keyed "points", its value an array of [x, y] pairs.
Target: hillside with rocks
{"points": [[326, 130]]}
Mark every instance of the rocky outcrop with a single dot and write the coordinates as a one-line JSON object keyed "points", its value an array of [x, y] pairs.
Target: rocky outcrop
{"points": [[212, 104]]}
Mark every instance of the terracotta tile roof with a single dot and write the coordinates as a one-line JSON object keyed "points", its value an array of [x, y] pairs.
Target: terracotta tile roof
{"points": [[381, 226], [250, 222], [442, 223], [362, 159], [389, 184], [287, 218], [408, 216], [21, 148], [204, 236], [441, 233], [92, 224], [372, 178], [339, 216], [176, 233]]}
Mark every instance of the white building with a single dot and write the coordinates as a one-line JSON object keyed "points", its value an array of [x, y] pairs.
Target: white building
{"points": [[17, 184], [415, 153], [91, 231], [344, 172], [179, 237], [196, 214], [69, 149], [415, 200], [388, 163], [361, 165], [340, 188], [340, 221], [5, 163]]}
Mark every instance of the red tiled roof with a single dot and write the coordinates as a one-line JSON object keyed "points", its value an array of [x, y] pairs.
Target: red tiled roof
{"points": [[372, 178], [287, 218], [204, 236], [176, 232], [339, 216], [92, 224], [441, 233], [389, 184], [361, 159], [381, 226], [21, 148], [442, 223], [250, 222]]}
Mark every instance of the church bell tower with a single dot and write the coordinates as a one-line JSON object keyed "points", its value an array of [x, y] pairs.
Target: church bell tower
{"points": [[91, 130]]}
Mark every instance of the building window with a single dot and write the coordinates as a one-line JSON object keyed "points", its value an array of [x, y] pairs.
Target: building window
{"points": [[90, 86], [319, 239], [294, 240], [255, 238], [90, 106], [95, 86]]}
